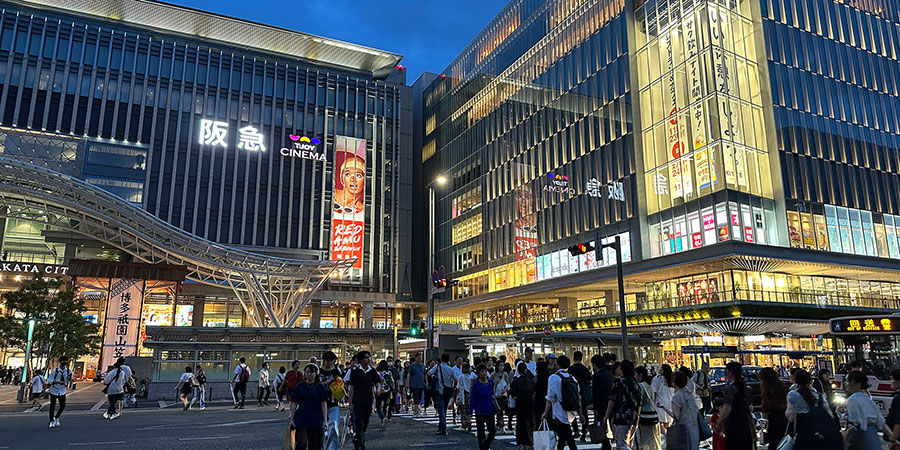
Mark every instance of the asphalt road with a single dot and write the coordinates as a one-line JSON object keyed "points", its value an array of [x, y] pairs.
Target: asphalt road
{"points": [[219, 427]]}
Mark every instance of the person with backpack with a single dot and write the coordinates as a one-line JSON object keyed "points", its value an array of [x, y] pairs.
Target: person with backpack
{"points": [[279, 394], [185, 386], [37, 388], [815, 425], [263, 386], [443, 390], [331, 377], [115, 388], [239, 380], [199, 388], [563, 404], [60, 378], [701, 381]]}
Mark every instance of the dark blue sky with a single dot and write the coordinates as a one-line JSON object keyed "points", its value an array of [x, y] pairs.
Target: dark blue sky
{"points": [[428, 34]]}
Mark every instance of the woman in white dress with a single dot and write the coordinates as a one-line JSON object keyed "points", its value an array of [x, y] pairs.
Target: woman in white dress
{"points": [[662, 385]]}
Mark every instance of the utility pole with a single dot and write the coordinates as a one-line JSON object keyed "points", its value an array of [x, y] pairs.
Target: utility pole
{"points": [[21, 395], [617, 245]]}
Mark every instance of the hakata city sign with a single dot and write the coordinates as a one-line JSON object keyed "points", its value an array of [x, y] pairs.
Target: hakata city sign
{"points": [[304, 147], [22, 267]]}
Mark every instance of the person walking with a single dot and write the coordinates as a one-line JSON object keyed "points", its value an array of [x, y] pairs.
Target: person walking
{"points": [[647, 434], [331, 377], [684, 413], [463, 391], [701, 381], [309, 412], [563, 404], [115, 388], [446, 384], [415, 379], [864, 419], [239, 379], [291, 379], [662, 385], [501, 394], [893, 416], [601, 386], [522, 390], [37, 388], [624, 405], [264, 386], [737, 423], [481, 403], [60, 378], [362, 380], [383, 399], [401, 383], [774, 403], [276, 384], [583, 376], [199, 388], [185, 386]]}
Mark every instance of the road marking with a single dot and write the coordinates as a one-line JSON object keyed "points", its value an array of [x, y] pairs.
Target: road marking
{"points": [[97, 405], [96, 443], [434, 444], [202, 438], [226, 424]]}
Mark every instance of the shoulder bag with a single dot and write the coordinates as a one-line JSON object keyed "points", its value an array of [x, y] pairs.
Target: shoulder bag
{"points": [[106, 388]]}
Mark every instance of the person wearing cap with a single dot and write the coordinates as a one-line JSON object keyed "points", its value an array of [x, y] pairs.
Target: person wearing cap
{"points": [[331, 373], [551, 363], [59, 380], [529, 362]]}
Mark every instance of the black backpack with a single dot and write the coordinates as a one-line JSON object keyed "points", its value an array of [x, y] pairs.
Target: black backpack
{"points": [[819, 428], [568, 388]]}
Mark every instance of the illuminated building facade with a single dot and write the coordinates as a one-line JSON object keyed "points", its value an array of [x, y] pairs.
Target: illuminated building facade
{"points": [[747, 152], [246, 135]]}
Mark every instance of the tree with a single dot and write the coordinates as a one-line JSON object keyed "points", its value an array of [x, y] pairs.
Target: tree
{"points": [[62, 328]]}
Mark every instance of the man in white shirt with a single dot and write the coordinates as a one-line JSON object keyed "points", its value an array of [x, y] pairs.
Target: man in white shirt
{"points": [[529, 362], [560, 419], [446, 383], [59, 380], [37, 388], [240, 379]]}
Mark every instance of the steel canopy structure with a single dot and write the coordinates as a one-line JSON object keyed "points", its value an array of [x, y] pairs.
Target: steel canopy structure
{"points": [[273, 291]]}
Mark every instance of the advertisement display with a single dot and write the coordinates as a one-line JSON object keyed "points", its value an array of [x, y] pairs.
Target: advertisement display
{"points": [[526, 218], [123, 317], [158, 315], [184, 315], [348, 210]]}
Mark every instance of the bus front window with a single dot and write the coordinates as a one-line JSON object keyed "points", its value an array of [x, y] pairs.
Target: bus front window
{"points": [[878, 353]]}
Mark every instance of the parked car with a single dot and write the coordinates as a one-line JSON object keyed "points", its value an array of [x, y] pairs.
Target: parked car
{"points": [[751, 378]]}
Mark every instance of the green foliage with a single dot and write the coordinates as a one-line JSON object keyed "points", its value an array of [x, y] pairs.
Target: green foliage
{"points": [[61, 328]]}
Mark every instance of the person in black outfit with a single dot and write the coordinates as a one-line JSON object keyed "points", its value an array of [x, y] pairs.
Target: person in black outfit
{"points": [[362, 381], [601, 387], [737, 424], [522, 389], [893, 416], [540, 388], [583, 377]]}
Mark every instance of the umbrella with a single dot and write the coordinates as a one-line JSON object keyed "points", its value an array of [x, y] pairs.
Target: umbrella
{"points": [[343, 430]]}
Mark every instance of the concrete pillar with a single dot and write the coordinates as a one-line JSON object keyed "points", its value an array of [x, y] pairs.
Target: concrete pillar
{"points": [[568, 307], [197, 318], [611, 300], [368, 315], [316, 315]]}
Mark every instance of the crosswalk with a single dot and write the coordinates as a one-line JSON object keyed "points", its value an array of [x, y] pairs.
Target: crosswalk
{"points": [[508, 438]]}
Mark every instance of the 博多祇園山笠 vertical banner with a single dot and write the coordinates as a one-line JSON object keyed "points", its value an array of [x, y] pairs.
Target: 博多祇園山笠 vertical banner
{"points": [[123, 320]]}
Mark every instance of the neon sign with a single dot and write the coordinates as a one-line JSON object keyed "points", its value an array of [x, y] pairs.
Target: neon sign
{"points": [[215, 134]]}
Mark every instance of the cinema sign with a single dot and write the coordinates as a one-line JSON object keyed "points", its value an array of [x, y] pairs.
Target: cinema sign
{"points": [[304, 148]]}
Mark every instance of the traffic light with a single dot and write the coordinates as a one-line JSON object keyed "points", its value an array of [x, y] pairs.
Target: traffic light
{"points": [[580, 249], [414, 328]]}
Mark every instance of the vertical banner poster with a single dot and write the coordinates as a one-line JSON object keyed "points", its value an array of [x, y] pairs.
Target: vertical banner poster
{"points": [[525, 222], [348, 211], [123, 320]]}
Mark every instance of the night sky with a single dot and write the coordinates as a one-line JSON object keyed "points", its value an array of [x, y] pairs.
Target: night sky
{"points": [[428, 34]]}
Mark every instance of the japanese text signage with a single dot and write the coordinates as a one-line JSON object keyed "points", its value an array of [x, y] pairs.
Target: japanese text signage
{"points": [[615, 190], [215, 134], [865, 325], [123, 316]]}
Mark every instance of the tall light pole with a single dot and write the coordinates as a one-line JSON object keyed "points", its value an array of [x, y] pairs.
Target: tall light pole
{"points": [[617, 245], [21, 395], [429, 323]]}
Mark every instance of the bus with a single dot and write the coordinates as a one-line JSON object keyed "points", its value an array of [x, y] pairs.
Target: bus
{"points": [[874, 340]]}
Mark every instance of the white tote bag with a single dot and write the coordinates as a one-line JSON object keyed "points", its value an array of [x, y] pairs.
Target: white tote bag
{"points": [[544, 439]]}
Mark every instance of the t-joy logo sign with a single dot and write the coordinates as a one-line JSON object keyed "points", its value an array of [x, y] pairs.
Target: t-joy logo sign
{"points": [[559, 184], [304, 148]]}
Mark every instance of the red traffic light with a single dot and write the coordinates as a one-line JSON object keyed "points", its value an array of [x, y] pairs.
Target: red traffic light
{"points": [[580, 249]]}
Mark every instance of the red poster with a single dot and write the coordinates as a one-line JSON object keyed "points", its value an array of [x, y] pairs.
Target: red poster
{"points": [[348, 210], [748, 234], [697, 240], [709, 222], [723, 233]]}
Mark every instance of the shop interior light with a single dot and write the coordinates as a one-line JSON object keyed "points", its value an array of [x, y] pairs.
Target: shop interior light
{"points": [[710, 339], [754, 338]]}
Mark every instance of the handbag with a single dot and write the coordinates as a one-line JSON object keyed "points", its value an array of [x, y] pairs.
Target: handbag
{"points": [[106, 388], [676, 437], [786, 443], [543, 438], [288, 442], [703, 427], [853, 440]]}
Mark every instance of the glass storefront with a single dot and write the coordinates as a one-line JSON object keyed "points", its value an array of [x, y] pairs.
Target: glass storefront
{"points": [[845, 230]]}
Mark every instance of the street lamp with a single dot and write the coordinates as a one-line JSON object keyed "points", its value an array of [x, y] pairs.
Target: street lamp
{"points": [[21, 395], [429, 327], [617, 245]]}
